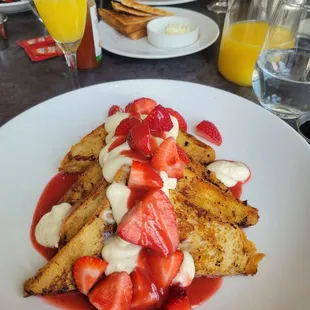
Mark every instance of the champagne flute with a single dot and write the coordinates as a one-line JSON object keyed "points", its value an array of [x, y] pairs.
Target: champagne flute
{"points": [[65, 21], [219, 6]]}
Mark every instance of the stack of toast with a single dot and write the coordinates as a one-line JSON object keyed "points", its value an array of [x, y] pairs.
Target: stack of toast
{"points": [[130, 18], [209, 218]]}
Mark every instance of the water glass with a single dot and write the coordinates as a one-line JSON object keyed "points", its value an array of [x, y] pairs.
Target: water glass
{"points": [[281, 79]]}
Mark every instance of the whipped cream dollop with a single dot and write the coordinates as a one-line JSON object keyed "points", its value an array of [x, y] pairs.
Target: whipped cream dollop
{"points": [[230, 172], [120, 255], [118, 195], [186, 273], [107, 216], [48, 229]]}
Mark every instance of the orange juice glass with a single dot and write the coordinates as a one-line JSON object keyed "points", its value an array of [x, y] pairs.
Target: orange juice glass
{"points": [[240, 47]]}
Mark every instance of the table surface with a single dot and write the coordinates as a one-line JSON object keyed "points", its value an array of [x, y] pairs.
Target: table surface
{"points": [[24, 84]]}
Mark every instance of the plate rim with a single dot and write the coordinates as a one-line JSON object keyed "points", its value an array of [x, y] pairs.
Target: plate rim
{"points": [[164, 56]]}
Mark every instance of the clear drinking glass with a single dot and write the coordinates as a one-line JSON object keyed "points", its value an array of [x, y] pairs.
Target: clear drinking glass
{"points": [[245, 28], [65, 21], [281, 79], [219, 6]]}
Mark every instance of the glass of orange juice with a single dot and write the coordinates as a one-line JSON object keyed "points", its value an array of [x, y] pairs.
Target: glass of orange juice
{"points": [[65, 21], [245, 28]]}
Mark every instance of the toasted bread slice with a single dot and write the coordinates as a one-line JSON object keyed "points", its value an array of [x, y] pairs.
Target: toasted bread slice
{"points": [[137, 34], [124, 23], [218, 248], [118, 7], [77, 219], [56, 275], [85, 152], [145, 8], [196, 149], [216, 201], [83, 185]]}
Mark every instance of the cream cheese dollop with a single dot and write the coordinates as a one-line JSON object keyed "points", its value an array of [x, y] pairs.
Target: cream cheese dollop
{"points": [[48, 229]]}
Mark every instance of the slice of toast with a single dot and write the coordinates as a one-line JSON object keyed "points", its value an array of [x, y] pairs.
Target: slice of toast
{"points": [[83, 185], [218, 248], [145, 8], [77, 219], [85, 152], [118, 7], [216, 201], [124, 23], [137, 34], [56, 275]]}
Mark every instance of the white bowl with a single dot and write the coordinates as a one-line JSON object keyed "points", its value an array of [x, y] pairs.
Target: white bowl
{"points": [[157, 37]]}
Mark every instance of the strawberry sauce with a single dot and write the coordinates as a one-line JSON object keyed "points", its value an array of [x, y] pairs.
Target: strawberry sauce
{"points": [[50, 196]]}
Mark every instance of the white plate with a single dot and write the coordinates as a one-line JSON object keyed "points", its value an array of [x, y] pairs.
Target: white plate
{"points": [[15, 7], [33, 144], [163, 2], [116, 43]]}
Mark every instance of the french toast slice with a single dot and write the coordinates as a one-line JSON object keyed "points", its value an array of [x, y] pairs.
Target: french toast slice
{"points": [[216, 201], [83, 185], [218, 248], [86, 151], [80, 215], [56, 275]]}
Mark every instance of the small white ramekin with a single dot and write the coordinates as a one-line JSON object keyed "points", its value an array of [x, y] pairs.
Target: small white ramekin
{"points": [[158, 38]]}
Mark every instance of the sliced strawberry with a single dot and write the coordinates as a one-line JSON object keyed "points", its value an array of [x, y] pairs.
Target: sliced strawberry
{"points": [[141, 105], [152, 224], [159, 134], [159, 119], [113, 292], [178, 299], [114, 109], [208, 131], [155, 143], [139, 139], [144, 177], [164, 269], [166, 158], [179, 117], [125, 125], [117, 142], [86, 271], [183, 156], [144, 291]]}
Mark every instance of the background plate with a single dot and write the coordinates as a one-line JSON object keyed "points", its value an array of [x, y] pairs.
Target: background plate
{"points": [[116, 43], [33, 144]]}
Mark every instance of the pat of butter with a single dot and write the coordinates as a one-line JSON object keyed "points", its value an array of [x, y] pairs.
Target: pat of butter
{"points": [[176, 29]]}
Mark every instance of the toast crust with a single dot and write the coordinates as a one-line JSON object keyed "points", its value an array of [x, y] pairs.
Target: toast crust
{"points": [[118, 7], [145, 8]]}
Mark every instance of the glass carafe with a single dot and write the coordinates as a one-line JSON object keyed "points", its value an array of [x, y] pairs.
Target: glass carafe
{"points": [[245, 28]]}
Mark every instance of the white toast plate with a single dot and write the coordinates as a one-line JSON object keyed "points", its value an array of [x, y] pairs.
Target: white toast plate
{"points": [[33, 144], [116, 43]]}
